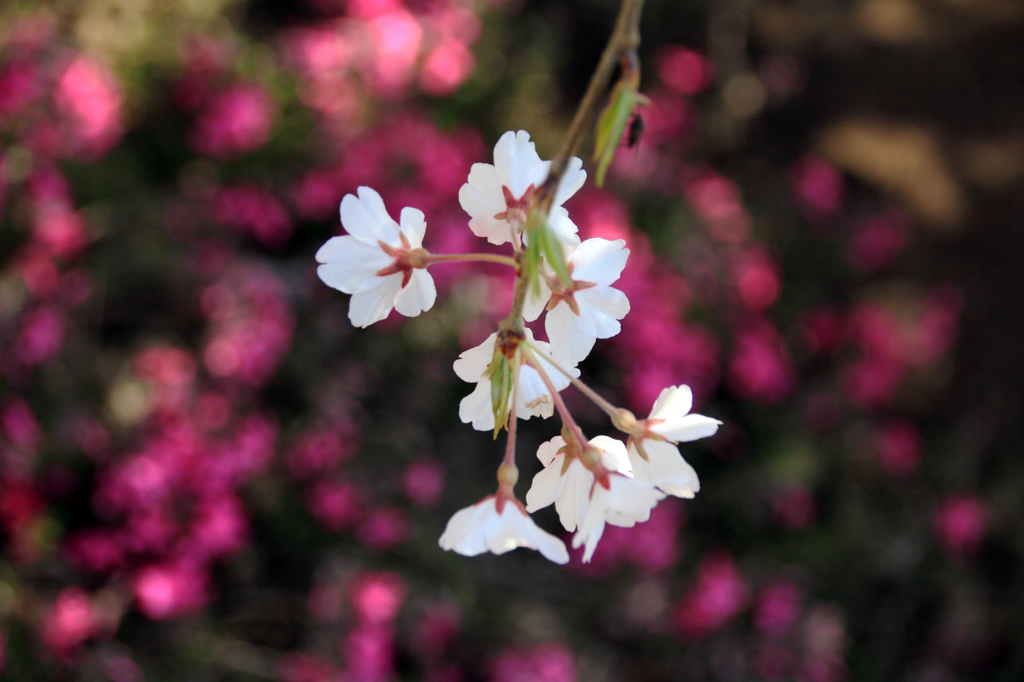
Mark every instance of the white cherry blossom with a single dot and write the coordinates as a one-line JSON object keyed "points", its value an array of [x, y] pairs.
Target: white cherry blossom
{"points": [[483, 528], [625, 502], [371, 262], [569, 486], [534, 399], [670, 420], [590, 308], [498, 197]]}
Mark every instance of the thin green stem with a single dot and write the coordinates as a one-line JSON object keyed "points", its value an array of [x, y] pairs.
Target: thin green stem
{"points": [[624, 40], [563, 411], [469, 257], [606, 406]]}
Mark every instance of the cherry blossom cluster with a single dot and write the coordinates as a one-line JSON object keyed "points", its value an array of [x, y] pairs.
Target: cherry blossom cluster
{"points": [[593, 482]]}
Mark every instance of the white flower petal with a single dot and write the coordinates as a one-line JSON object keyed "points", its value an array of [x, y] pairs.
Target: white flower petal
{"points": [[564, 230], [477, 408], [536, 302], [572, 179], [416, 296], [462, 535], [546, 486], [547, 451], [665, 468], [674, 401], [599, 261], [473, 363], [604, 307], [625, 503], [613, 454], [481, 528], [573, 499], [350, 265], [518, 164], [413, 226], [375, 303], [571, 341], [688, 428], [365, 218]]}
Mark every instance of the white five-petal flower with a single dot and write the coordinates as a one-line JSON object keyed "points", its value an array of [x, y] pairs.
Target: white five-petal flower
{"points": [[497, 197], [590, 308], [370, 262], [483, 528], [569, 486], [534, 399], [625, 502], [670, 419]]}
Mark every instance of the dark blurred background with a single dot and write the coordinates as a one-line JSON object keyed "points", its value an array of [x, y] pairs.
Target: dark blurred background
{"points": [[206, 473]]}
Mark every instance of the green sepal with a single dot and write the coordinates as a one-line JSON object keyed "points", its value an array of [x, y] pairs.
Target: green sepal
{"points": [[552, 249], [502, 379], [612, 124]]}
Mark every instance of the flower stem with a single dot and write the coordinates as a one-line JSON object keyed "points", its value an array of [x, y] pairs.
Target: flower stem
{"points": [[623, 42], [606, 406], [469, 257], [563, 411]]}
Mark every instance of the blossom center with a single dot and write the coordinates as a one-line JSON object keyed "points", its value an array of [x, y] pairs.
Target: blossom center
{"points": [[561, 293], [402, 263], [516, 209]]}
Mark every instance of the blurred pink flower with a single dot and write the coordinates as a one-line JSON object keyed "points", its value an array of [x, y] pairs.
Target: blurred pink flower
{"points": [[777, 607], [760, 368], [305, 668], [437, 629], [320, 450], [719, 594], [898, 446], [818, 187], [220, 527], [684, 70], [41, 335], [249, 208], [236, 121], [335, 504], [96, 550], [960, 523], [169, 590], [445, 68], [757, 277], [20, 87], [423, 482], [794, 506], [369, 653], [317, 195], [717, 200], [377, 597], [68, 622], [549, 662], [251, 324], [396, 39], [20, 427], [879, 239], [91, 99], [37, 270], [383, 528], [822, 330]]}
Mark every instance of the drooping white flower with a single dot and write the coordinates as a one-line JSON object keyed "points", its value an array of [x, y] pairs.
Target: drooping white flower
{"points": [[670, 419], [371, 262], [534, 399], [483, 528], [590, 308], [569, 486], [498, 197], [625, 502]]}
